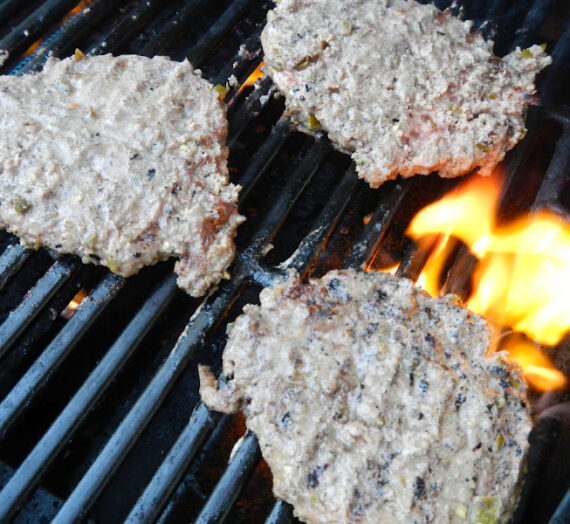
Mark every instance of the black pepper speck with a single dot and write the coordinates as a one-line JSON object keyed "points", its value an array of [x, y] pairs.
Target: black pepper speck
{"points": [[460, 399], [420, 488], [313, 476]]}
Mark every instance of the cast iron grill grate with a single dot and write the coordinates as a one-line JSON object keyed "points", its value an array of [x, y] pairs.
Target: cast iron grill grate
{"points": [[102, 409]]}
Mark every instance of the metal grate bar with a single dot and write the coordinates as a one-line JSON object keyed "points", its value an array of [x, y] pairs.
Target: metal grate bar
{"points": [[28, 30], [442, 4], [534, 19], [173, 466], [243, 462], [30, 384], [542, 438], [555, 71], [561, 515], [518, 157], [315, 241], [65, 39], [168, 34], [416, 257], [8, 8], [140, 414], [263, 275], [418, 253], [218, 30], [244, 62], [282, 513], [46, 450], [458, 278], [128, 27], [365, 249], [241, 117], [561, 114], [11, 260], [262, 158], [35, 299], [557, 173], [474, 5], [497, 7], [296, 183]]}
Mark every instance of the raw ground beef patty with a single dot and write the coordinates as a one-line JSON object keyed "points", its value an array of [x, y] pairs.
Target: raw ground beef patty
{"points": [[374, 403], [402, 87], [122, 161]]}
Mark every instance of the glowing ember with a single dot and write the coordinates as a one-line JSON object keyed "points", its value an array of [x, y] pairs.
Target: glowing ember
{"points": [[522, 278], [77, 9], [33, 47], [71, 308]]}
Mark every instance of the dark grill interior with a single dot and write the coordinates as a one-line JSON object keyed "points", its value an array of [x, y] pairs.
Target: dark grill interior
{"points": [[100, 416]]}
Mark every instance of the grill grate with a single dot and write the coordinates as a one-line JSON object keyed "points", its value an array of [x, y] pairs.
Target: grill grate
{"points": [[298, 195]]}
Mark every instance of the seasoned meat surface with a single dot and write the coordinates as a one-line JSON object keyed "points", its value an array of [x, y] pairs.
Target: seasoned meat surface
{"points": [[374, 403], [403, 87], [122, 161]]}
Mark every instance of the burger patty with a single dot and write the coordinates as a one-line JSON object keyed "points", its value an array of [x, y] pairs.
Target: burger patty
{"points": [[121, 161], [374, 403], [402, 87]]}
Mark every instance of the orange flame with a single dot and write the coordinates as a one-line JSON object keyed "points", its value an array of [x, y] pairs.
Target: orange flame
{"points": [[429, 278], [522, 278], [77, 9], [74, 303], [537, 367], [33, 47], [252, 78], [391, 269]]}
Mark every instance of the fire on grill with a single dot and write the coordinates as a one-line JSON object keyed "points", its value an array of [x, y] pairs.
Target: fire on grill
{"points": [[100, 416], [520, 275]]}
